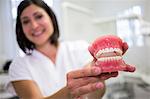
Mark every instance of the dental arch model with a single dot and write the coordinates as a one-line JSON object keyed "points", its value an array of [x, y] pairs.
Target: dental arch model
{"points": [[108, 52]]}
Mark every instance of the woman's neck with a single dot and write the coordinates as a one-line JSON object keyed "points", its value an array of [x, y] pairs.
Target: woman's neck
{"points": [[48, 50]]}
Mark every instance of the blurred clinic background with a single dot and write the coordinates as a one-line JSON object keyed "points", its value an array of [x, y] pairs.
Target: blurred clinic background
{"points": [[87, 20]]}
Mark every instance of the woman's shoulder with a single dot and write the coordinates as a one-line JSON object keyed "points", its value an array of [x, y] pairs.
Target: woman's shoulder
{"points": [[20, 58], [19, 61]]}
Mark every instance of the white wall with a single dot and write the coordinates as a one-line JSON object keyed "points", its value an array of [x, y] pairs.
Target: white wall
{"points": [[146, 12], [92, 18], [106, 8], [7, 37], [58, 12], [77, 21]]}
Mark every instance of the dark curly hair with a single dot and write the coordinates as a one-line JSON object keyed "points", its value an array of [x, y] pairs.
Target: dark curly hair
{"points": [[26, 45]]}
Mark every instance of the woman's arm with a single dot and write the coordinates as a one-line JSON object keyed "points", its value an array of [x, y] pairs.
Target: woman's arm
{"points": [[27, 89]]}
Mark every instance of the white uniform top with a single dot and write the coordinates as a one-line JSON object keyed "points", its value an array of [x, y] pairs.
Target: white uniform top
{"points": [[48, 76]]}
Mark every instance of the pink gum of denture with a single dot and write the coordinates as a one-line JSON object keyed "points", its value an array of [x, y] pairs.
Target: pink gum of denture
{"points": [[111, 64]]}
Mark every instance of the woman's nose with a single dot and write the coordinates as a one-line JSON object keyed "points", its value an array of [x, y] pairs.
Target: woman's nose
{"points": [[34, 24]]}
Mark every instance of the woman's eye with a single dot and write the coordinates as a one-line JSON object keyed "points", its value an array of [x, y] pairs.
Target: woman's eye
{"points": [[25, 22], [39, 16]]}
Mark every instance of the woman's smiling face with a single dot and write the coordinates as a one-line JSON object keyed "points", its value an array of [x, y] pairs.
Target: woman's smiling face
{"points": [[37, 25]]}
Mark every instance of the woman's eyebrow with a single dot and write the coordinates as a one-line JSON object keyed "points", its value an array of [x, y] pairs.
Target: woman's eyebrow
{"points": [[24, 17], [36, 13]]}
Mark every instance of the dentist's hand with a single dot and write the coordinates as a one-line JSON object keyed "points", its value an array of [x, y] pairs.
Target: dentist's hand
{"points": [[86, 80]]}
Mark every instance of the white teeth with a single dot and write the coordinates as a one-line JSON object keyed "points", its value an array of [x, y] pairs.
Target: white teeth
{"points": [[118, 50], [37, 33], [109, 58], [108, 50]]}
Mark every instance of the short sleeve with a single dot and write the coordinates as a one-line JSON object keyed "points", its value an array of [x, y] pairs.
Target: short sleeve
{"points": [[18, 70]]}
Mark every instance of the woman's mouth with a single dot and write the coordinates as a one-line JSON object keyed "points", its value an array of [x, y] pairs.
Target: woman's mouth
{"points": [[38, 33]]}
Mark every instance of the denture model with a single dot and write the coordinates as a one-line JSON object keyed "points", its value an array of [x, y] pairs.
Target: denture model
{"points": [[108, 52]]}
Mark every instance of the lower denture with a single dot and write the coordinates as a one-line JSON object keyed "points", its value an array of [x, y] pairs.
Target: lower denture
{"points": [[111, 65]]}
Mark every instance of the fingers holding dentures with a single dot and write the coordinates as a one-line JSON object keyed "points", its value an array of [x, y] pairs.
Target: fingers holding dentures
{"points": [[87, 89], [83, 81]]}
